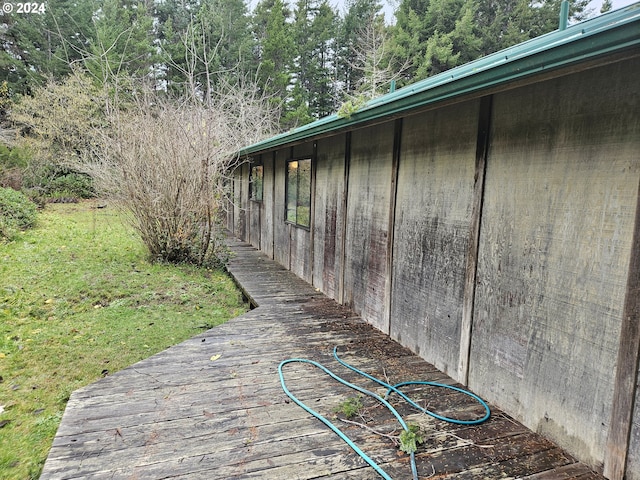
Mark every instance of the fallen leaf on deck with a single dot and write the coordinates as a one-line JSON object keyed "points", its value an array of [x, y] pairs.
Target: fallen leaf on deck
{"points": [[216, 357]]}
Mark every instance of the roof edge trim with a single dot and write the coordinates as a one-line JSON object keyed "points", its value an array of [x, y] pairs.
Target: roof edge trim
{"points": [[608, 33]]}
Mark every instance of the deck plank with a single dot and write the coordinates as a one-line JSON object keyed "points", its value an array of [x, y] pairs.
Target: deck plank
{"points": [[180, 414]]}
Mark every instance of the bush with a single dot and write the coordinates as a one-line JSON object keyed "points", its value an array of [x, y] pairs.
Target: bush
{"points": [[71, 185], [17, 212], [13, 162], [54, 183]]}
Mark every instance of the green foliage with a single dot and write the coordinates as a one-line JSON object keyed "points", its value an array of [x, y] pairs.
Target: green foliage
{"points": [[350, 407], [60, 118], [314, 35], [17, 212], [436, 35], [71, 185], [39, 46], [351, 106], [358, 14], [59, 122], [272, 31], [79, 300], [123, 45], [411, 438], [14, 157]]}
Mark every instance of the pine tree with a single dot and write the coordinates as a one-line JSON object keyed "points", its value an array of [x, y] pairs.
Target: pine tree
{"points": [[123, 43], [274, 51], [436, 35], [506, 23], [358, 15], [43, 45], [314, 70]]}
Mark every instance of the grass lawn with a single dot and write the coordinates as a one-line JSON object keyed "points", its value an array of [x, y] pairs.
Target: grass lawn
{"points": [[79, 300]]}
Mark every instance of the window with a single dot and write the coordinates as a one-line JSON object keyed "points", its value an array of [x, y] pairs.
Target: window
{"points": [[299, 192], [255, 180]]}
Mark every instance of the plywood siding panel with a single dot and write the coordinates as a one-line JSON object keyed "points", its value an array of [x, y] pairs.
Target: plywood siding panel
{"points": [[329, 214], [303, 150], [433, 209], [281, 230], [368, 203], [266, 236], [255, 215], [240, 184], [557, 224], [301, 252]]}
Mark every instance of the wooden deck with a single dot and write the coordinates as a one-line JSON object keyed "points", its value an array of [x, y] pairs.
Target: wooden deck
{"points": [[185, 414]]}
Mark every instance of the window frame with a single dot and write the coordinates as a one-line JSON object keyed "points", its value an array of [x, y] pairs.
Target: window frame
{"points": [[299, 204]]}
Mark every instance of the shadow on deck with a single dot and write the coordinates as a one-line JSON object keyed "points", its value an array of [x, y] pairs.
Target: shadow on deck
{"points": [[181, 414]]}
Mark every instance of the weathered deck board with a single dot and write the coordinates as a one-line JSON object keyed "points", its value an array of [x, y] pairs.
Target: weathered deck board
{"points": [[181, 415]]}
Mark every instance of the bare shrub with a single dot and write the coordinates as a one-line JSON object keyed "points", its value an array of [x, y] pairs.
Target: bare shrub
{"points": [[164, 160]]}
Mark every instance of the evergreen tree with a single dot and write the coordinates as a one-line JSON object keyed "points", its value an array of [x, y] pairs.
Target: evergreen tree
{"points": [[359, 14], [439, 34], [435, 35], [43, 45], [506, 23], [274, 51], [314, 36], [226, 24], [123, 43], [173, 22]]}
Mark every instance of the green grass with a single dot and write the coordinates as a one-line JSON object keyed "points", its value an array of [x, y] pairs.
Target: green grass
{"points": [[78, 300]]}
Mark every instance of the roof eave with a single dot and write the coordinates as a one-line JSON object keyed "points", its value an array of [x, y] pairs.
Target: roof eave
{"points": [[582, 42]]}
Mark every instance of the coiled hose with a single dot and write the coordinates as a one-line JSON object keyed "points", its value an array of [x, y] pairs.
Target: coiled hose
{"points": [[383, 401]]}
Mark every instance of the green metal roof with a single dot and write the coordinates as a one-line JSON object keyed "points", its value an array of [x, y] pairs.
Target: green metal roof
{"points": [[611, 32]]}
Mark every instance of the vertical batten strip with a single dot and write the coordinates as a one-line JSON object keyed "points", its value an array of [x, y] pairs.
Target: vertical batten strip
{"points": [[482, 151], [397, 145], [345, 195], [627, 366]]}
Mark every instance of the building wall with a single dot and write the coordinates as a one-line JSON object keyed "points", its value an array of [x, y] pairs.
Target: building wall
{"points": [[432, 222], [556, 230], [393, 236], [329, 215], [368, 199], [268, 197], [281, 230], [255, 214]]}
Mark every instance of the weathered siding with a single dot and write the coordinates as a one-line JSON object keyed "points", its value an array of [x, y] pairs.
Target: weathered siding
{"points": [[328, 221], [557, 224], [366, 249], [241, 201], [255, 213], [301, 263], [281, 230], [266, 226], [433, 208]]}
